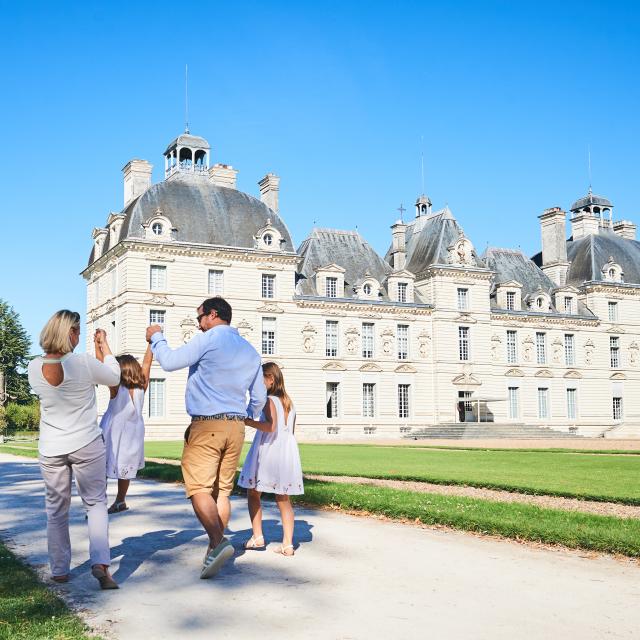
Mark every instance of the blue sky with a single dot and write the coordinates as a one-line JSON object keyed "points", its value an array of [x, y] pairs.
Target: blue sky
{"points": [[334, 97]]}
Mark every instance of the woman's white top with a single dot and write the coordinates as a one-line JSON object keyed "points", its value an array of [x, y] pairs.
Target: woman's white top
{"points": [[68, 412]]}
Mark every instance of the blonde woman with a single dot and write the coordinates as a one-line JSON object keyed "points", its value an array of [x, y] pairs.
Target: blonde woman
{"points": [[70, 440]]}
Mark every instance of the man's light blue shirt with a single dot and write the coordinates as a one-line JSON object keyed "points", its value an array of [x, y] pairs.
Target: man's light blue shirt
{"points": [[223, 367]]}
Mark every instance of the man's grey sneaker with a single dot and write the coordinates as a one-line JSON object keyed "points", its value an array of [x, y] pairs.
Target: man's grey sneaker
{"points": [[215, 558]]}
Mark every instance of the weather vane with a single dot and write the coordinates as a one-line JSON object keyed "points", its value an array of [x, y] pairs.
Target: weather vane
{"points": [[401, 209]]}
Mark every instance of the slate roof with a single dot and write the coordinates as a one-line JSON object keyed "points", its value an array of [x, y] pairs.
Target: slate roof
{"points": [[187, 140], [202, 213], [347, 249], [427, 240], [590, 199]]}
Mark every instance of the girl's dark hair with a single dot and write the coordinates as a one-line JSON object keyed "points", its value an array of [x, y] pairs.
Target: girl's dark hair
{"points": [[278, 390], [131, 375]]}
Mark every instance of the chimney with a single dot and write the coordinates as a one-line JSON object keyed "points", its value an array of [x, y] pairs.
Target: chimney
{"points": [[223, 175], [398, 247], [269, 187], [554, 244], [584, 224], [625, 229], [137, 179]]}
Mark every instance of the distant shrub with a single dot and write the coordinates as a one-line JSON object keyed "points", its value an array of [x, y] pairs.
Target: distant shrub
{"points": [[22, 417]]}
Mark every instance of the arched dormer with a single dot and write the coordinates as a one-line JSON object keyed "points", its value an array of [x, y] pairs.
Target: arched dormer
{"points": [[158, 228], [612, 271], [99, 236], [539, 301], [368, 288], [268, 238], [114, 224]]}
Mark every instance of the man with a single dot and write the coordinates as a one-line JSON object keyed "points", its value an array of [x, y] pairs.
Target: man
{"points": [[223, 367]]}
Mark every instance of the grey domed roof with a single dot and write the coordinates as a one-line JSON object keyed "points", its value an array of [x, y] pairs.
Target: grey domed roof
{"points": [[590, 199], [589, 254], [202, 213], [187, 140]]}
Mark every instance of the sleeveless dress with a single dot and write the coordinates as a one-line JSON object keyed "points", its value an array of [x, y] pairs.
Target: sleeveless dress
{"points": [[273, 462], [123, 430]]}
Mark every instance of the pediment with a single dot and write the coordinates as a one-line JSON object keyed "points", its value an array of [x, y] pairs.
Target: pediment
{"points": [[617, 376], [513, 284], [113, 217], [402, 274], [159, 300], [465, 318], [98, 231], [567, 289], [334, 366], [270, 308], [466, 379], [573, 375], [218, 263], [615, 329], [405, 368], [331, 268], [514, 373], [371, 367], [544, 373]]}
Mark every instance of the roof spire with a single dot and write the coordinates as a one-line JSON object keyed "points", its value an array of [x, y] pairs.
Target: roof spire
{"points": [[186, 98], [422, 161], [589, 164]]}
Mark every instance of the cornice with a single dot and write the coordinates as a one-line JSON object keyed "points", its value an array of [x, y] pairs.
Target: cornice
{"points": [[456, 271], [561, 321], [335, 306]]}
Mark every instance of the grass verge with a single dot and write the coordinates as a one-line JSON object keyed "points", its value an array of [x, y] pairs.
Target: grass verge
{"points": [[510, 520], [28, 610]]}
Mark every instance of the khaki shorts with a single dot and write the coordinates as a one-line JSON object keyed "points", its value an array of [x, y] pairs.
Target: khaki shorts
{"points": [[210, 457]]}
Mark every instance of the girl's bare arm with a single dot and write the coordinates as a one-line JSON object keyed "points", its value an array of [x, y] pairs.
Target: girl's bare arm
{"points": [[146, 365], [269, 424]]}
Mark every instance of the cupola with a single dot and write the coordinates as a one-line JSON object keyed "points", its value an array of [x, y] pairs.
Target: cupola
{"points": [[187, 154]]}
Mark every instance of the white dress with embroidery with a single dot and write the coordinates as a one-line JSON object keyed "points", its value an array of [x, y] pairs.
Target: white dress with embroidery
{"points": [[123, 430], [273, 462]]}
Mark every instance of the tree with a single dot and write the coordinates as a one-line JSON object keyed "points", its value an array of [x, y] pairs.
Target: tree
{"points": [[14, 355]]}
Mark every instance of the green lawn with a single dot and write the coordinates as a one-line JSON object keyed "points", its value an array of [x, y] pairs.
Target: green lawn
{"points": [[602, 477], [28, 610]]}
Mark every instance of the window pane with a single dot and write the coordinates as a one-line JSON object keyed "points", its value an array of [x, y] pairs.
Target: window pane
{"points": [[331, 285], [158, 278], [332, 399], [367, 339], [541, 348], [613, 311], [511, 300], [368, 405], [403, 341], [617, 408], [403, 400], [543, 403], [268, 285], [215, 282], [157, 316], [514, 405], [614, 351], [463, 343], [569, 350], [572, 404], [268, 336], [402, 291], [156, 398], [512, 347], [331, 338], [463, 299]]}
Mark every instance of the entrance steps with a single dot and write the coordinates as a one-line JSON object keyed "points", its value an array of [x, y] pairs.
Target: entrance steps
{"points": [[473, 430]]}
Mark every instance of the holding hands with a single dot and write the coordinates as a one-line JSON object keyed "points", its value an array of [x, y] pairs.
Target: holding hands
{"points": [[154, 328], [101, 345]]}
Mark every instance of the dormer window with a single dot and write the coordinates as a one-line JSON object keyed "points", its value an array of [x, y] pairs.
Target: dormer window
{"points": [[156, 228], [402, 291], [511, 300], [367, 289], [612, 271], [331, 287], [568, 304]]}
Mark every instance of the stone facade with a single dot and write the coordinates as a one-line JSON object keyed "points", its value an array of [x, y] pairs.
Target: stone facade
{"points": [[432, 334]]}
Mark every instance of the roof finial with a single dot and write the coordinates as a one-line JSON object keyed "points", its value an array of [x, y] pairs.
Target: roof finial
{"points": [[186, 98], [401, 209]]}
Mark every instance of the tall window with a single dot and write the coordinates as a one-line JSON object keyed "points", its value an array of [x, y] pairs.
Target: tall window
{"points": [[613, 311], [403, 341], [541, 348], [268, 336], [614, 351], [332, 399], [402, 291], [572, 404], [617, 408], [514, 402], [268, 285], [569, 349], [331, 338], [463, 299], [368, 400], [367, 339], [157, 316], [463, 343], [568, 304], [331, 287], [511, 300], [156, 398], [512, 347], [403, 400], [216, 287], [158, 278], [543, 402]]}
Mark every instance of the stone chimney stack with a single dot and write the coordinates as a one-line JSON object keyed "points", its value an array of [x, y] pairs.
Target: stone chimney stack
{"points": [[137, 179], [223, 175], [584, 224], [625, 229], [398, 246], [554, 244], [269, 188]]}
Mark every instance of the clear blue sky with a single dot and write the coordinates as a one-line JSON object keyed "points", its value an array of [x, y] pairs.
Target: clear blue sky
{"points": [[334, 97]]}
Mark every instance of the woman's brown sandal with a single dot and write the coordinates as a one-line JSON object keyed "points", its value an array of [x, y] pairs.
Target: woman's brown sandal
{"points": [[103, 577]]}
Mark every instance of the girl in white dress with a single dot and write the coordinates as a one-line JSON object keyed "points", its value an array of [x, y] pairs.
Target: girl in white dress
{"points": [[273, 462], [123, 426]]}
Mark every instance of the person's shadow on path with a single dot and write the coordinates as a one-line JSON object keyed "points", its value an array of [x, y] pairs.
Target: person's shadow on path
{"points": [[138, 549], [272, 530]]}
